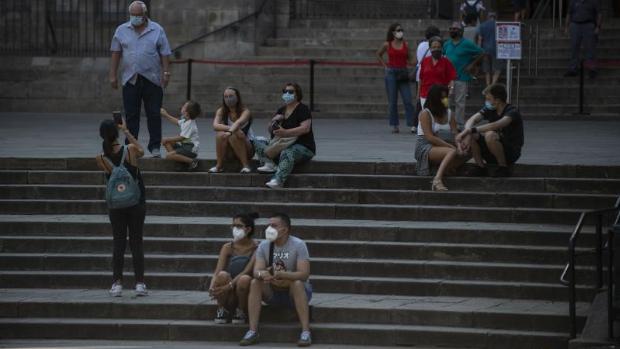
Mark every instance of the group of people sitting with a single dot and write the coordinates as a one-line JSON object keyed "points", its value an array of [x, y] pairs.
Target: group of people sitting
{"points": [[291, 137]]}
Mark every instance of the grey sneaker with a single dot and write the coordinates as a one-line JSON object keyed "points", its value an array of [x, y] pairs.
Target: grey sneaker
{"points": [[156, 153], [141, 290], [222, 316], [116, 290], [305, 340], [250, 338], [240, 318], [268, 167]]}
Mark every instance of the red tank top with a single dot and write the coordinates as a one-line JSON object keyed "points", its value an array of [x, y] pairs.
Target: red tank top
{"points": [[397, 58]]}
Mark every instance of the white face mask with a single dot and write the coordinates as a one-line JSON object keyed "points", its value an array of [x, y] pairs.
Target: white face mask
{"points": [[238, 233], [398, 35], [271, 234]]}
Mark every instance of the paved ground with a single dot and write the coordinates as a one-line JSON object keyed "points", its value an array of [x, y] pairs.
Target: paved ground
{"points": [[547, 142]]}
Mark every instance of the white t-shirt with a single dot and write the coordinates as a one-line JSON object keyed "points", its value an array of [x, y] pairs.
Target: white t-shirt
{"points": [[423, 52], [435, 125], [189, 130]]}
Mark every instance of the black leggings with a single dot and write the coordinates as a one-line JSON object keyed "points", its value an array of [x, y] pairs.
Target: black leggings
{"points": [[122, 220]]}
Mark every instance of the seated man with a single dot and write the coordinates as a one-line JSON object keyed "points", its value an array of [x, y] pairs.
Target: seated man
{"points": [[497, 142], [281, 274]]}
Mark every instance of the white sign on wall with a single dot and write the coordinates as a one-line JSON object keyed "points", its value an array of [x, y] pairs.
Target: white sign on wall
{"points": [[508, 40]]}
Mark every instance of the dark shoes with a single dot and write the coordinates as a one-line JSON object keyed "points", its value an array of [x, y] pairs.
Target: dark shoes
{"points": [[502, 171]]}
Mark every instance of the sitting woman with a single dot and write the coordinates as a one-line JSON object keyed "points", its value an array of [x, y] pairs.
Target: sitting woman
{"points": [[435, 140], [232, 125], [230, 284], [292, 139]]}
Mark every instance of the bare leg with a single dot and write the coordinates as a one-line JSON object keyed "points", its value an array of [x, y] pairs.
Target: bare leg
{"points": [[221, 145], [167, 143], [238, 143], [172, 155], [445, 164], [258, 290], [222, 278], [475, 152], [495, 147], [242, 290], [297, 292]]}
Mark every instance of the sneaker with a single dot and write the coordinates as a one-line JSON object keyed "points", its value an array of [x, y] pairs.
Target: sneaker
{"points": [[141, 290], [215, 169], [305, 340], [222, 316], [477, 171], [502, 171], [268, 167], [414, 129], [274, 184], [116, 290], [246, 170], [240, 318], [156, 153], [570, 73], [193, 165], [250, 338]]}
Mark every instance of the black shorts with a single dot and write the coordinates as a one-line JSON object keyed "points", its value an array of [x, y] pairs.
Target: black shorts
{"points": [[512, 155], [185, 149]]}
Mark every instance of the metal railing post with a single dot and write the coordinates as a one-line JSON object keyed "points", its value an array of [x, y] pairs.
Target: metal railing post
{"points": [[312, 63], [189, 79], [599, 250], [610, 288], [571, 290]]}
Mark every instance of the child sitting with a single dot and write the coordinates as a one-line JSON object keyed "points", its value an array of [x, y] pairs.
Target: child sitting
{"points": [[184, 147]]}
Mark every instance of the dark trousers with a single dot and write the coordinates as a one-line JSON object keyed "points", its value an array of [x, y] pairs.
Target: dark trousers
{"points": [[152, 95], [123, 220], [582, 34]]}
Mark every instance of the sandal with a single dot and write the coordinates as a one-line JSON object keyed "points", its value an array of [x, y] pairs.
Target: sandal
{"points": [[438, 185]]}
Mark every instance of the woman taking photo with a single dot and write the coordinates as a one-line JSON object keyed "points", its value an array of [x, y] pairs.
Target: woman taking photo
{"points": [[232, 276], [128, 219], [435, 140], [292, 139], [233, 132], [397, 77]]}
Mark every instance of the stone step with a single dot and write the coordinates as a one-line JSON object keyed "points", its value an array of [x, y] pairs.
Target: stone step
{"points": [[453, 251], [335, 181], [490, 313], [322, 229], [355, 196], [195, 263], [307, 210], [360, 334], [432, 287]]}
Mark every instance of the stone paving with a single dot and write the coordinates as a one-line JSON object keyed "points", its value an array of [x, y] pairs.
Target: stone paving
{"points": [[547, 142]]}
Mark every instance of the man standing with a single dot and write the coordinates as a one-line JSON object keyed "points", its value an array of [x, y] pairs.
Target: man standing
{"points": [[281, 274], [584, 22], [464, 55], [491, 66], [143, 48]]}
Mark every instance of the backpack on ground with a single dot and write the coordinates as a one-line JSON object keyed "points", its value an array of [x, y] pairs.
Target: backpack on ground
{"points": [[122, 190]]}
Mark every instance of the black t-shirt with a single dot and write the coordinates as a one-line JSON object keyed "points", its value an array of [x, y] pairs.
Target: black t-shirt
{"points": [[299, 115], [511, 135]]}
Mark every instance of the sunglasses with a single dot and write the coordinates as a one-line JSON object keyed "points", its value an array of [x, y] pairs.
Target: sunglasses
{"points": [[290, 92], [399, 30]]}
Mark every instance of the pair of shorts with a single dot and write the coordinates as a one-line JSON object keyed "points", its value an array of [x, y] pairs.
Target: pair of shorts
{"points": [[511, 155], [490, 64], [185, 149], [283, 298]]}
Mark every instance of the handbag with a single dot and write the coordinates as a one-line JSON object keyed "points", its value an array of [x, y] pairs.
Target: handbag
{"points": [[277, 144]]}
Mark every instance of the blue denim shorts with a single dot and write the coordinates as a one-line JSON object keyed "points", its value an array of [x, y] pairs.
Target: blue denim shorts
{"points": [[283, 298]]}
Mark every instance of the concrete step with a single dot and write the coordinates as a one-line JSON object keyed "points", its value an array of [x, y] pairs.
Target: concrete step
{"points": [[490, 313], [307, 210], [195, 263], [355, 196], [335, 181], [360, 334], [432, 287], [322, 229]]}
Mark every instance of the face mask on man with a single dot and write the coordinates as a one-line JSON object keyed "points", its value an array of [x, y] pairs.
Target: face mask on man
{"points": [[136, 21], [238, 233], [271, 234], [489, 105], [454, 34], [436, 54], [230, 100]]}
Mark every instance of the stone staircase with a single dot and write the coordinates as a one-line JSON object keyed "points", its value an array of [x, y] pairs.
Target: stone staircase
{"points": [[392, 262]]}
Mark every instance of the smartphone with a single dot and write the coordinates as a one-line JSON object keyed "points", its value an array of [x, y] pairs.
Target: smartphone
{"points": [[275, 125], [116, 115]]}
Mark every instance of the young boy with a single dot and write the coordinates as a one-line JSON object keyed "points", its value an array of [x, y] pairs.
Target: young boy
{"points": [[184, 147]]}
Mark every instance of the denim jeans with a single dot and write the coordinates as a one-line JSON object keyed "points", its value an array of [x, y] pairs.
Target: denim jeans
{"points": [[152, 95], [393, 87], [289, 157]]}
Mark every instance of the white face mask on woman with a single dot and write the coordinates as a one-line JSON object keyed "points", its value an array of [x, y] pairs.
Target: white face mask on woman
{"points": [[271, 234], [238, 233]]}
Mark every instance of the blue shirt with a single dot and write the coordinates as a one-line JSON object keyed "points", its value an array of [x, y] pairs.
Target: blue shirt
{"points": [[141, 53], [486, 30], [461, 55]]}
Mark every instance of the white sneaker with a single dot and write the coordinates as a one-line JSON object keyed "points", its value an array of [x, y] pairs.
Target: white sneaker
{"points": [[414, 129], [156, 153], [268, 167], [116, 290], [141, 289], [215, 169], [246, 170], [274, 184]]}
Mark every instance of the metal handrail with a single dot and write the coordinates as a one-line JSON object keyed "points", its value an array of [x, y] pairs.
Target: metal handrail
{"points": [[254, 14], [569, 269]]}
